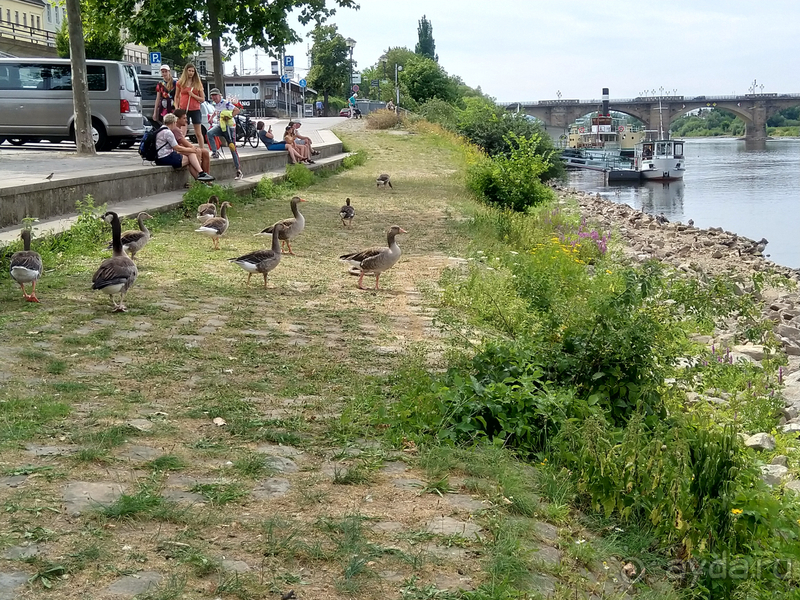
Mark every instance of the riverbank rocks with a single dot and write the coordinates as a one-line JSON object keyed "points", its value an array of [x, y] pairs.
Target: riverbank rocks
{"points": [[760, 441], [774, 474]]}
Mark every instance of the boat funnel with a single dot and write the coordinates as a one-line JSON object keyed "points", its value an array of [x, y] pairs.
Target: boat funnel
{"points": [[605, 102]]}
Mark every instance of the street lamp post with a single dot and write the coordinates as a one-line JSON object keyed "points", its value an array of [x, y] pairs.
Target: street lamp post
{"points": [[397, 68], [350, 43]]}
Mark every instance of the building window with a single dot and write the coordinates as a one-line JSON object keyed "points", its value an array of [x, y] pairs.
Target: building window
{"points": [[64, 13], [202, 67], [58, 16], [16, 17], [49, 14], [38, 22], [24, 20]]}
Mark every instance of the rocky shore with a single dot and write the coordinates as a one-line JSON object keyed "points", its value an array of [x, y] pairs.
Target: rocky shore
{"points": [[708, 252]]}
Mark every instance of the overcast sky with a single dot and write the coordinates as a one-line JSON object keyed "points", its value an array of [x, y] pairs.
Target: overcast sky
{"points": [[519, 50]]}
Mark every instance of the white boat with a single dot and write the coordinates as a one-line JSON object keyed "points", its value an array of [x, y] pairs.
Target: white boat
{"points": [[659, 160]]}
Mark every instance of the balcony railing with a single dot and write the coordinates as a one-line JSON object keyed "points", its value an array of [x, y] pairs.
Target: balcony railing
{"points": [[27, 34]]}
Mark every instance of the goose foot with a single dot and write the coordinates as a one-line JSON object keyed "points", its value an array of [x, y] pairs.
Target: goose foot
{"points": [[119, 308], [32, 298]]}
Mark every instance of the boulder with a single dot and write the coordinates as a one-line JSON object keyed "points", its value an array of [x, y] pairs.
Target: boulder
{"points": [[774, 474], [760, 441], [781, 460], [756, 352]]}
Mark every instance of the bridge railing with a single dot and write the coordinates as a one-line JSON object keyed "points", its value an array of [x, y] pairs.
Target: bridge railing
{"points": [[651, 99], [27, 34]]}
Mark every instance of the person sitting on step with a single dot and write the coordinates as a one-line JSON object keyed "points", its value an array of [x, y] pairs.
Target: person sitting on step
{"points": [[170, 152]]}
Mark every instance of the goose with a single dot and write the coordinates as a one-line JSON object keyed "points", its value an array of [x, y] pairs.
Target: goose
{"points": [[208, 210], [262, 261], [117, 274], [133, 240], [26, 267], [292, 227], [215, 227], [377, 259], [347, 213], [383, 180]]}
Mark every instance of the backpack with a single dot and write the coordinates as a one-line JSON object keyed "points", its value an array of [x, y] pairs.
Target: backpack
{"points": [[147, 147]]}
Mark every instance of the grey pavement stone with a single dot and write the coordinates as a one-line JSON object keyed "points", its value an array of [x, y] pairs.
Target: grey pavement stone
{"points": [[80, 496], [465, 502], [141, 424], [12, 481], [394, 468], [183, 497], [279, 450], [38, 450], [235, 566], [274, 487], [22, 552], [139, 453], [409, 484], [450, 526], [281, 464], [453, 582], [132, 585], [11, 584]]}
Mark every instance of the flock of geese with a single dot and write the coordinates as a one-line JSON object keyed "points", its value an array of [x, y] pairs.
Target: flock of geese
{"points": [[117, 274]]}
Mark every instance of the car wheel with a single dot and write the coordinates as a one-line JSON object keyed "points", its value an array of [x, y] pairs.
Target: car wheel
{"points": [[17, 141], [99, 137]]}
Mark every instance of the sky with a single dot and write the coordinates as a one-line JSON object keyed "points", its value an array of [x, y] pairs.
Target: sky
{"points": [[518, 50]]}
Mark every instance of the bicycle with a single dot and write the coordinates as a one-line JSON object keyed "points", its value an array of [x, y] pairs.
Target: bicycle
{"points": [[246, 131]]}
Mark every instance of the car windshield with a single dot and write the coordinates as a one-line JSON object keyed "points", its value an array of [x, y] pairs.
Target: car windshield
{"points": [[131, 81]]}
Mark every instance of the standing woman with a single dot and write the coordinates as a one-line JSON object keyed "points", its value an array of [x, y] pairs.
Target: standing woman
{"points": [[165, 95], [188, 96]]}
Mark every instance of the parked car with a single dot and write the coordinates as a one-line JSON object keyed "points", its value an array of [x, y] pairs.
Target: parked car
{"points": [[36, 101], [345, 112]]}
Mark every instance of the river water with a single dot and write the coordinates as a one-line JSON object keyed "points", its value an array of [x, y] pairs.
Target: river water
{"points": [[754, 193]]}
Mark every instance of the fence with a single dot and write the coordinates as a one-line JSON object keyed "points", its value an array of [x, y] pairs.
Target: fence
{"points": [[27, 34]]}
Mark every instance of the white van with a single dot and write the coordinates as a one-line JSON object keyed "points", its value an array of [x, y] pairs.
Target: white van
{"points": [[36, 101]]}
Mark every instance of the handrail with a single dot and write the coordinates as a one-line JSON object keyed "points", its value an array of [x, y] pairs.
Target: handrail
{"points": [[651, 99], [27, 34]]}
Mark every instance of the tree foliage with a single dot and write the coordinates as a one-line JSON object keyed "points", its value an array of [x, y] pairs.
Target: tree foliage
{"points": [[329, 62], [425, 80], [102, 38], [251, 23], [708, 123], [426, 46]]}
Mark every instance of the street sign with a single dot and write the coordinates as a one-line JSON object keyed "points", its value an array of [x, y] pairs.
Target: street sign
{"points": [[302, 83], [375, 83], [289, 71], [356, 78], [356, 88], [155, 58], [284, 79], [288, 61]]}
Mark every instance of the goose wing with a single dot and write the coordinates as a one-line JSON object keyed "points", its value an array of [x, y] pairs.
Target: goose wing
{"points": [[364, 255], [115, 271], [287, 223], [347, 212], [26, 261], [217, 224], [130, 237]]}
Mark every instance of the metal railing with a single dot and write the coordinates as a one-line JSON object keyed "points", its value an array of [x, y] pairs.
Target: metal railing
{"points": [[27, 34], [651, 99]]}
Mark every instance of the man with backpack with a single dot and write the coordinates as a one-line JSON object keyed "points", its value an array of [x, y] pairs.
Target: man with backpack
{"points": [[167, 151]]}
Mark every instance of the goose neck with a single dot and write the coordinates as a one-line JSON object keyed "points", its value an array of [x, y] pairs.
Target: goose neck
{"points": [[116, 236]]}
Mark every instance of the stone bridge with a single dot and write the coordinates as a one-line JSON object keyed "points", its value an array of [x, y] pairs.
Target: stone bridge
{"points": [[657, 112]]}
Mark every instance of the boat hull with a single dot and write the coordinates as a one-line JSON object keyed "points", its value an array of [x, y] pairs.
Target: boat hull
{"points": [[662, 169]]}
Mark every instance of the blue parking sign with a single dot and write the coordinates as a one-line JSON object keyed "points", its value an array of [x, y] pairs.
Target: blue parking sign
{"points": [[288, 61], [155, 58]]}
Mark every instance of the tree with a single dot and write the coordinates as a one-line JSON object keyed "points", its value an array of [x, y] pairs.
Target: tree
{"points": [[426, 46], [425, 79], [80, 85], [330, 63], [252, 23], [100, 43]]}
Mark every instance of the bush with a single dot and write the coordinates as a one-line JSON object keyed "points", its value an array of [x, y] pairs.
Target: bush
{"points": [[299, 176], [440, 112], [355, 160], [513, 182], [382, 119]]}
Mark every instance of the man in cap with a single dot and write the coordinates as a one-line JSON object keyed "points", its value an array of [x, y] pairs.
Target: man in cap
{"points": [[224, 126]]}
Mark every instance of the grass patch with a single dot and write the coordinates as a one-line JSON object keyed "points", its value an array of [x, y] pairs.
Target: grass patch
{"points": [[220, 494], [23, 418]]}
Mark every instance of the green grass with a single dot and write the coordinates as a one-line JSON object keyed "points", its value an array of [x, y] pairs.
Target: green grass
{"points": [[25, 418], [219, 494]]}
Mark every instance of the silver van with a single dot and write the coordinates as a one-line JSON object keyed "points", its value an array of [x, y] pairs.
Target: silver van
{"points": [[36, 101]]}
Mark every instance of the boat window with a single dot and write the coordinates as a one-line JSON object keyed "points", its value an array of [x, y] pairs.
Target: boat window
{"points": [[678, 150], [662, 148]]}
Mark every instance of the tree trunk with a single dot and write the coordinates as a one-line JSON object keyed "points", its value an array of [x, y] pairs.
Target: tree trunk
{"points": [[80, 87], [325, 105], [216, 47]]}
